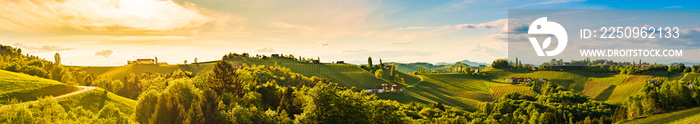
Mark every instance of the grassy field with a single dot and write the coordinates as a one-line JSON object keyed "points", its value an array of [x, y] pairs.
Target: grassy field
{"points": [[28, 88], [94, 100], [688, 115]]}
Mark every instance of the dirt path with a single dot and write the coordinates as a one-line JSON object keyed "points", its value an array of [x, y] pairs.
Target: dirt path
{"points": [[84, 89], [686, 74], [421, 80]]}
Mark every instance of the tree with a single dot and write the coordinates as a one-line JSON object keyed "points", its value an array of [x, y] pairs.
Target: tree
{"points": [[57, 59], [287, 102], [210, 106], [112, 114], [185, 62], [116, 86], [381, 64], [145, 106], [439, 105], [224, 79], [379, 73], [180, 102], [156, 59], [369, 62], [195, 60], [501, 63]]}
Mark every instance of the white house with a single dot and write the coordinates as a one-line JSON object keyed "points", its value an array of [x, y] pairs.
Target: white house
{"points": [[374, 89], [145, 61]]}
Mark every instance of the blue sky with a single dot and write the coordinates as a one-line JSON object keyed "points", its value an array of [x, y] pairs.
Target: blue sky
{"points": [[105, 33]]}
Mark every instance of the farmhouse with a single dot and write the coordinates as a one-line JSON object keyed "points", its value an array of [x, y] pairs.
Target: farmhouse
{"points": [[392, 88], [516, 79], [387, 66], [384, 88], [374, 89], [145, 61], [238, 67], [339, 62]]}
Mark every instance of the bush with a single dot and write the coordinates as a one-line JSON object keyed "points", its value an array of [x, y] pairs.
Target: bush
{"points": [[499, 63], [34, 71]]}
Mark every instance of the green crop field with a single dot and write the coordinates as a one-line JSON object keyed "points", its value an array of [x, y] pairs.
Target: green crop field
{"points": [[691, 77], [632, 85], [594, 89], [457, 90], [682, 116], [500, 91], [28, 88], [692, 119], [569, 79]]}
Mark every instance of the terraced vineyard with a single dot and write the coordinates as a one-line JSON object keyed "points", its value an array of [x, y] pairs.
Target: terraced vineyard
{"points": [[682, 116], [597, 90], [499, 91], [631, 86]]}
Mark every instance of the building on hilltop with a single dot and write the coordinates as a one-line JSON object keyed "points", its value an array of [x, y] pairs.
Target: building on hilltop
{"points": [[145, 61]]}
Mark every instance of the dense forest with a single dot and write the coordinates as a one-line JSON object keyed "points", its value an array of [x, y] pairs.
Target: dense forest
{"points": [[274, 94]]}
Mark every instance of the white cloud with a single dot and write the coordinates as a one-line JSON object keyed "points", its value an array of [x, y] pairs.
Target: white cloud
{"points": [[99, 15], [408, 28], [550, 2], [488, 25], [44, 48], [399, 43], [105, 53], [265, 50], [323, 44]]}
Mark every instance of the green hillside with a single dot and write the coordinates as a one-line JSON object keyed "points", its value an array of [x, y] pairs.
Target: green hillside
{"points": [[682, 116], [597, 90], [118, 72], [343, 74], [28, 88], [95, 99], [457, 90], [413, 67]]}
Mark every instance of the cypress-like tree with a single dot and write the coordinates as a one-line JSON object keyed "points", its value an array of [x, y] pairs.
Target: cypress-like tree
{"points": [[57, 59], [369, 62], [224, 79]]}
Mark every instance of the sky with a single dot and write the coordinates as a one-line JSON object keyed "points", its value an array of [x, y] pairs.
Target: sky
{"points": [[111, 32]]}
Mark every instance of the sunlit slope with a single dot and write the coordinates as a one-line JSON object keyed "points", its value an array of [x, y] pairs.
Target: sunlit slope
{"points": [[682, 116], [28, 88], [118, 72], [343, 74], [95, 99], [460, 90]]}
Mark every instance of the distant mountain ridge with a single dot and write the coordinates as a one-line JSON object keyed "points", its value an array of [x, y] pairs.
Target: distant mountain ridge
{"points": [[415, 66]]}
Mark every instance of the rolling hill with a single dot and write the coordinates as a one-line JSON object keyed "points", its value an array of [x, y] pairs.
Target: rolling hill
{"points": [[24, 87], [29, 88], [458, 90]]}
